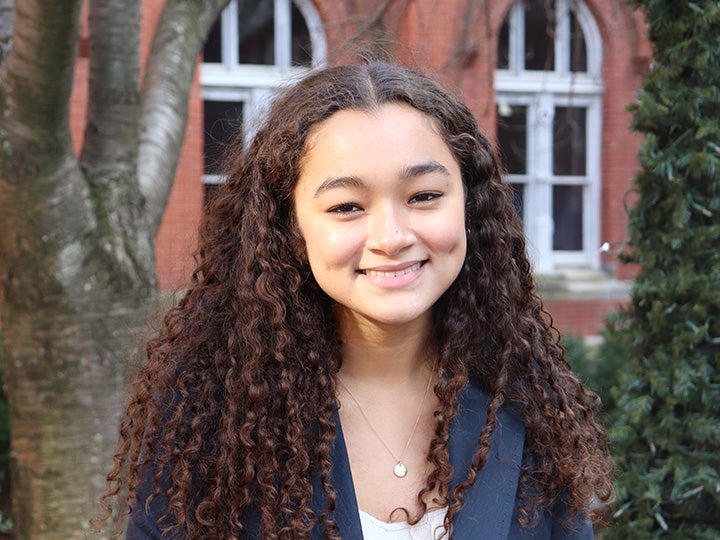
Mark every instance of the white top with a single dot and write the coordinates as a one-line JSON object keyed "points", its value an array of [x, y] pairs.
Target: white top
{"points": [[430, 527]]}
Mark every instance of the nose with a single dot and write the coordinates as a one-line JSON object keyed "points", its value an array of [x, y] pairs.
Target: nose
{"points": [[390, 231]]}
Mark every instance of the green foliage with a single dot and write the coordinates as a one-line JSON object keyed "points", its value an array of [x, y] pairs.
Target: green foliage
{"points": [[6, 524], [580, 357], [667, 435], [598, 368]]}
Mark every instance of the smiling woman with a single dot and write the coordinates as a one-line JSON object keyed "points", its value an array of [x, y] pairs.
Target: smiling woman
{"points": [[385, 237], [362, 353]]}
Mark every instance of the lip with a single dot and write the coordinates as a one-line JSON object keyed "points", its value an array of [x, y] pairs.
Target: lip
{"points": [[393, 276], [392, 271]]}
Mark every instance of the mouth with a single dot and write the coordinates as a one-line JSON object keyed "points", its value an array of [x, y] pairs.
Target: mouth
{"points": [[392, 273]]}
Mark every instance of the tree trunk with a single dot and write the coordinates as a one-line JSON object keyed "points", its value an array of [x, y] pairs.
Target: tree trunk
{"points": [[70, 315], [76, 278], [74, 304], [76, 236], [65, 374], [7, 18]]}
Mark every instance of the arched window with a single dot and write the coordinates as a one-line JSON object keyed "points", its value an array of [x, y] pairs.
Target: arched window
{"points": [[548, 90], [253, 48]]}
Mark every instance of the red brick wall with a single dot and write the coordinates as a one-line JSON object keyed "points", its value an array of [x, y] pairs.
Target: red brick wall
{"points": [[581, 317], [429, 38], [429, 34]]}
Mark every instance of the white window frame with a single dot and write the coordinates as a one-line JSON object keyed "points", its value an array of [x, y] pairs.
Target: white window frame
{"points": [[230, 71], [251, 84], [239, 95], [541, 92]]}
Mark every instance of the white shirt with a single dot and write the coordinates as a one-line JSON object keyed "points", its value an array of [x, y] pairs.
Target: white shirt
{"points": [[430, 527]]}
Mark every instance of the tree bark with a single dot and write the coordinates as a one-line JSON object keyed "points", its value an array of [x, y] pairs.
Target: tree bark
{"points": [[75, 289], [76, 236], [69, 314], [7, 18], [110, 146], [166, 89]]}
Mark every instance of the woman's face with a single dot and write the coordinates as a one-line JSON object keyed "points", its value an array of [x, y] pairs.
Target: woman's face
{"points": [[381, 207]]}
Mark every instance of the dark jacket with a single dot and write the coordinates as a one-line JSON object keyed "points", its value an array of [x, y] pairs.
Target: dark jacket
{"points": [[489, 507]]}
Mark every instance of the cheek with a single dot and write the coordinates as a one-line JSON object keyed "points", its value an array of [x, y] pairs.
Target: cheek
{"points": [[448, 236], [329, 247]]}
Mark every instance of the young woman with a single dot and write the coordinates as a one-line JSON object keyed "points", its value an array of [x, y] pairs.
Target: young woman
{"points": [[361, 353]]}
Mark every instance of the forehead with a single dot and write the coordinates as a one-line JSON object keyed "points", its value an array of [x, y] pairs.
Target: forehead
{"points": [[393, 130], [392, 111]]}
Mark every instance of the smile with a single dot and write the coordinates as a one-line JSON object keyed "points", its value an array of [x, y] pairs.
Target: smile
{"points": [[396, 273]]}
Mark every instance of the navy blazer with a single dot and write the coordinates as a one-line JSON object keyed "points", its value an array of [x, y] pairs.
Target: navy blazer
{"points": [[489, 507]]}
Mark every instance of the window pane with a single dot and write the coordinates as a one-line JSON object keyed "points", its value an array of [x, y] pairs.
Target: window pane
{"points": [[512, 136], [256, 31], [212, 50], [578, 51], [519, 199], [503, 58], [567, 217], [539, 35], [223, 122], [569, 141], [301, 53]]}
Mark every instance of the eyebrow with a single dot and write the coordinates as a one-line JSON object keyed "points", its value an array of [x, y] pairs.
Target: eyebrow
{"points": [[420, 169], [411, 171], [338, 182]]}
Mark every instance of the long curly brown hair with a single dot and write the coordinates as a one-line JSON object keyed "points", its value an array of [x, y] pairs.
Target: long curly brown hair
{"points": [[235, 405]]}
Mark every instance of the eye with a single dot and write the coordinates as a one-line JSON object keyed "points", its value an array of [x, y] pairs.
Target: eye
{"points": [[425, 197], [344, 208]]}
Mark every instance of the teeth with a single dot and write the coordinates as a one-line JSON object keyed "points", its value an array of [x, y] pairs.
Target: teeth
{"points": [[393, 274]]}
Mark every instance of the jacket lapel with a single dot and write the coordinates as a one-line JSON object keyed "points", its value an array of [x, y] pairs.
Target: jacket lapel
{"points": [[346, 510], [489, 504]]}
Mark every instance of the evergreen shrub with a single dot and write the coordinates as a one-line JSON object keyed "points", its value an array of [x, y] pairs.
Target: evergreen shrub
{"points": [[666, 438], [598, 367]]}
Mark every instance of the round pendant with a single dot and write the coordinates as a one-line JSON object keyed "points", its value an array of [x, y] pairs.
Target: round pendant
{"points": [[400, 470]]}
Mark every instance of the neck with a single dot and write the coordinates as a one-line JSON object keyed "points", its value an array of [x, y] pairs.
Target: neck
{"points": [[383, 354]]}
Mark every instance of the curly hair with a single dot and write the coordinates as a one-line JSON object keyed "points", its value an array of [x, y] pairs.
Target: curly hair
{"points": [[235, 405]]}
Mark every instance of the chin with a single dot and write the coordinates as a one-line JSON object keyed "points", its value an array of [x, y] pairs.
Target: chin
{"points": [[397, 319]]}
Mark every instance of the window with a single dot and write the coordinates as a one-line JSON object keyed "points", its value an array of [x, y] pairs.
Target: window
{"points": [[253, 48], [548, 89]]}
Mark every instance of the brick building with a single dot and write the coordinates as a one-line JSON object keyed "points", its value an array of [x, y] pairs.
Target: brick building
{"points": [[549, 80]]}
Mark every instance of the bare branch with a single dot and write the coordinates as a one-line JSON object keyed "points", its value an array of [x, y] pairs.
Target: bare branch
{"points": [[7, 18], [466, 48], [377, 18], [178, 40], [372, 37], [37, 74], [111, 129], [110, 145]]}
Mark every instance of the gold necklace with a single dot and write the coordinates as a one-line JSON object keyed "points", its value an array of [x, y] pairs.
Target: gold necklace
{"points": [[399, 470]]}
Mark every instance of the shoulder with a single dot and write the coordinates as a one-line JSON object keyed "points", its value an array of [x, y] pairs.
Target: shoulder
{"points": [[554, 524], [145, 521], [149, 513], [508, 457], [473, 402]]}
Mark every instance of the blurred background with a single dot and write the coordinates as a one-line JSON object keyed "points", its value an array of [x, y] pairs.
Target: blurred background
{"points": [[115, 117]]}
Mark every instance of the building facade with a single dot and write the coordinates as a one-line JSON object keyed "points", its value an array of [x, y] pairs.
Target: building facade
{"points": [[548, 80]]}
